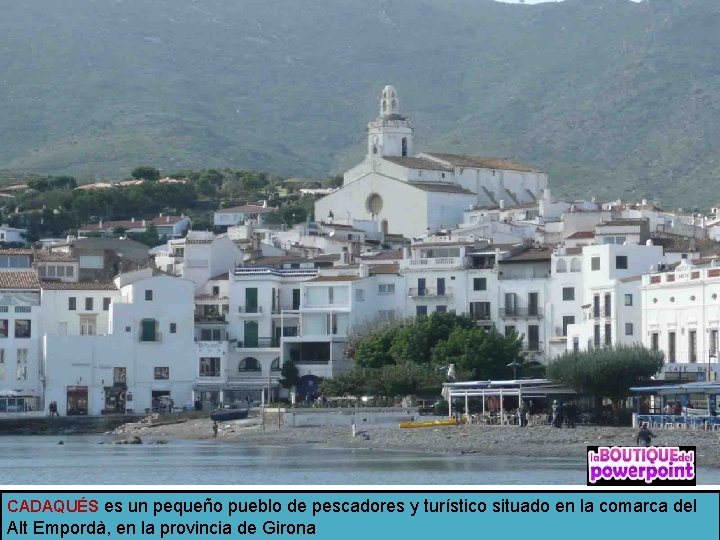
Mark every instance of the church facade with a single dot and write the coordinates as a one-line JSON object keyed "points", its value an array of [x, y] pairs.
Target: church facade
{"points": [[409, 194]]}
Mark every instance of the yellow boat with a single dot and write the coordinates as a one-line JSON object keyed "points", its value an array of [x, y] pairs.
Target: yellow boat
{"points": [[433, 423]]}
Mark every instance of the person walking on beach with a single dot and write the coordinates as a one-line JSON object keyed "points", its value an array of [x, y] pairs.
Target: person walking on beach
{"points": [[215, 430], [645, 436]]}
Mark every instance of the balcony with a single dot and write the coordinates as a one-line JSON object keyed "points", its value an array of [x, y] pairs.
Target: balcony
{"points": [[425, 263], [250, 311], [259, 343], [429, 292], [521, 313], [209, 318], [210, 300]]}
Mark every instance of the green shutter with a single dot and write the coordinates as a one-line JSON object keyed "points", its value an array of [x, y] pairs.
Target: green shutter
{"points": [[251, 300], [251, 334]]}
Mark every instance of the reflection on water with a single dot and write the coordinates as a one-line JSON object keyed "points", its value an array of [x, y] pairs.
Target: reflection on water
{"points": [[83, 460]]}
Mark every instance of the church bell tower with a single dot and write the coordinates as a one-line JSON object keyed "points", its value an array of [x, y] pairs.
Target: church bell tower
{"points": [[390, 134]]}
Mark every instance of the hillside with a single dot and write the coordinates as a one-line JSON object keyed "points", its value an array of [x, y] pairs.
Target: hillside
{"points": [[611, 97]]}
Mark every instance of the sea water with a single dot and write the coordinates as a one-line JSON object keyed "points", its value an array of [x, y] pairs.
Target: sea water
{"points": [[95, 460]]}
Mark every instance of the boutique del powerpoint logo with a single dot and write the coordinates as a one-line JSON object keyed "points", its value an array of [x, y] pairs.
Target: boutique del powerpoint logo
{"points": [[666, 465]]}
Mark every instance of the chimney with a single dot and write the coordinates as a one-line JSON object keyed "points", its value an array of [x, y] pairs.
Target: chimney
{"points": [[167, 219], [132, 220], [364, 271]]}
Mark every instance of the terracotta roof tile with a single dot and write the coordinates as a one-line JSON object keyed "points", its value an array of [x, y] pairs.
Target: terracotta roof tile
{"points": [[19, 280], [79, 286], [482, 162], [417, 163]]}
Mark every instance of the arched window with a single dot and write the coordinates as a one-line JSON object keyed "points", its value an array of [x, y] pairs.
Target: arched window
{"points": [[249, 364], [575, 265], [561, 266], [374, 149], [384, 106], [275, 366], [404, 147]]}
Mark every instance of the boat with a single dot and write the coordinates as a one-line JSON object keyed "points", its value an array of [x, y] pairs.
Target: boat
{"points": [[229, 414], [433, 423]]}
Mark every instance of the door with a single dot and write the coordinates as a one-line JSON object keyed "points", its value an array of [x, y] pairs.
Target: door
{"points": [[421, 287], [533, 303], [441, 286], [296, 299], [251, 300], [510, 303], [251, 334]]}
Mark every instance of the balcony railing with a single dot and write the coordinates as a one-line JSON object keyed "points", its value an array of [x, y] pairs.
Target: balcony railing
{"points": [[259, 343], [250, 310], [430, 292], [209, 317], [433, 262], [528, 313]]}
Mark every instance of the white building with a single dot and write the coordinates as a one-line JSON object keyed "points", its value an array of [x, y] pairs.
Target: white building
{"points": [[409, 195], [681, 318], [20, 335], [610, 295], [10, 236], [149, 353], [237, 215]]}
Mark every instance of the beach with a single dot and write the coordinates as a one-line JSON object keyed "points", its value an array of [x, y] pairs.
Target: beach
{"points": [[533, 441]]}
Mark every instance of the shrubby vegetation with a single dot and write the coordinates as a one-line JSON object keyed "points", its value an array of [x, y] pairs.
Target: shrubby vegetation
{"points": [[413, 356], [608, 372]]}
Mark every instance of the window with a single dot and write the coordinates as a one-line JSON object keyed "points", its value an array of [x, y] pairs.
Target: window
{"points": [[173, 328], [275, 365], [210, 367], [211, 334], [148, 294], [596, 336], [568, 293], [596, 306], [420, 311], [87, 326], [21, 369], [216, 290], [106, 304], [95, 262], [161, 373], [479, 284], [561, 266], [441, 309], [567, 321], [119, 375], [655, 341], [608, 305], [386, 315], [621, 262], [3, 328], [595, 263], [2, 364], [533, 337], [713, 342], [70, 271], [576, 344], [509, 330], [671, 347], [386, 288], [359, 295], [692, 346], [608, 335], [250, 364], [148, 330], [22, 328], [628, 329], [89, 304], [72, 303], [480, 310], [628, 299]]}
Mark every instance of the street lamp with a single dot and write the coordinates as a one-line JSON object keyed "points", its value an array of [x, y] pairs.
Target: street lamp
{"points": [[514, 365], [710, 357]]}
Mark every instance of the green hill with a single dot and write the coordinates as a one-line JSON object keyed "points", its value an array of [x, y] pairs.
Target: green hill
{"points": [[611, 97]]}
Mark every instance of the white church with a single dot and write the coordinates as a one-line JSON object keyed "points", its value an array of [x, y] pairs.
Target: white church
{"points": [[408, 193]]}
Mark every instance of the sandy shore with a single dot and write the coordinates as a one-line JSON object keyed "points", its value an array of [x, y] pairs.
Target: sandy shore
{"points": [[536, 441]]}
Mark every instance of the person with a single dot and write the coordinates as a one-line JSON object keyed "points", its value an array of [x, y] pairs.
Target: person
{"points": [[215, 430], [556, 414], [677, 408], [645, 436], [571, 414]]}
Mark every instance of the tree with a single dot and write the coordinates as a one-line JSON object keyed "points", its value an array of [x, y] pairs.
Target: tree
{"points": [[609, 372], [415, 342], [479, 354], [145, 172], [373, 349], [289, 374]]}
